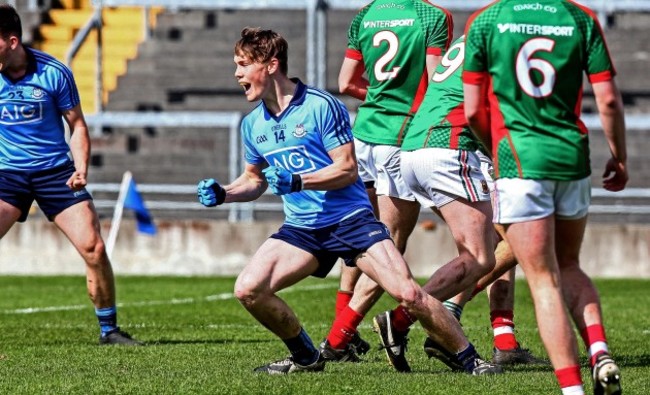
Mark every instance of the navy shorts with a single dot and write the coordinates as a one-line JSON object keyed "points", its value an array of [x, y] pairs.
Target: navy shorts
{"points": [[47, 187], [346, 239]]}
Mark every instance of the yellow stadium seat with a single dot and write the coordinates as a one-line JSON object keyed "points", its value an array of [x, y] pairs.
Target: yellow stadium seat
{"points": [[123, 30]]}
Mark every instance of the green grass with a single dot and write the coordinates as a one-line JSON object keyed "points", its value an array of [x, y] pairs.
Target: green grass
{"points": [[201, 341]]}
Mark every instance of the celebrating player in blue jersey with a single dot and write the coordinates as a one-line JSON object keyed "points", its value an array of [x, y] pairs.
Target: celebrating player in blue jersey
{"points": [[299, 143], [37, 93]]}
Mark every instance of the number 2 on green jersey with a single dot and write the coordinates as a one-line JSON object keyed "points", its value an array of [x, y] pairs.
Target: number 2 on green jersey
{"points": [[393, 44]]}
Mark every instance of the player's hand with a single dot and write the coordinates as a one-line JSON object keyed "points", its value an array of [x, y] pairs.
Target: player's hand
{"points": [[77, 181], [282, 181], [210, 193], [615, 176]]}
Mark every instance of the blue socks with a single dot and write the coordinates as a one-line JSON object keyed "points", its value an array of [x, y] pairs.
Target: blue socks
{"points": [[467, 358], [302, 349], [107, 317]]}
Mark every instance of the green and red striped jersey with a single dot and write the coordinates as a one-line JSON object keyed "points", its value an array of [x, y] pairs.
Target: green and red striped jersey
{"points": [[533, 55], [392, 38], [440, 121]]}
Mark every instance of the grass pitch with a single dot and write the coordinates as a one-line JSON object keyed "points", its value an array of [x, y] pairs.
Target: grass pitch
{"points": [[201, 341]]}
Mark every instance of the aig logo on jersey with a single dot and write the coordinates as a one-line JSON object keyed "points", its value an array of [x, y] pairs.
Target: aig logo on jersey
{"points": [[17, 112], [295, 159]]}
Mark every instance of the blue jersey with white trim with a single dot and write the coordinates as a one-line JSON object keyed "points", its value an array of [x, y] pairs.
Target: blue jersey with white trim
{"points": [[32, 133], [298, 140]]}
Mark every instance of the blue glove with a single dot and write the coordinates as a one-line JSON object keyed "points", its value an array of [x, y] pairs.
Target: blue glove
{"points": [[210, 193], [282, 181]]}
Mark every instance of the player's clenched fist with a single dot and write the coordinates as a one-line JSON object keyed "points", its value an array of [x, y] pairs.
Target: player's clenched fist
{"points": [[210, 193], [282, 181]]}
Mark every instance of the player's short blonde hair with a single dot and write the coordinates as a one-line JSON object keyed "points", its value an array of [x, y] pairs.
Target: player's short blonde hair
{"points": [[261, 46]]}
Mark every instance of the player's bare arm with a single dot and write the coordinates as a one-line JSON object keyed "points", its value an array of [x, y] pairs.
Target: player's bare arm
{"points": [[249, 186], [351, 80], [432, 62], [79, 146], [477, 113], [339, 174], [610, 107]]}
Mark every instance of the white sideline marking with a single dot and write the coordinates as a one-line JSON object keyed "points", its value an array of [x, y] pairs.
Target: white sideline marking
{"points": [[209, 298]]}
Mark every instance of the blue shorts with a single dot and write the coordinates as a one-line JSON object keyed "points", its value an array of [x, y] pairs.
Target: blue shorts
{"points": [[47, 187], [346, 240]]}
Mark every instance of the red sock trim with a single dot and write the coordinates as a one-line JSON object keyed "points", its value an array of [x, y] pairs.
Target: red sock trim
{"points": [[569, 377], [502, 319], [343, 328], [402, 320], [342, 300], [592, 334], [504, 316]]}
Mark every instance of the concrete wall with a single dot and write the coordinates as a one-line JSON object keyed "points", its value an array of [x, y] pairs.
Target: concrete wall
{"points": [[220, 248]]}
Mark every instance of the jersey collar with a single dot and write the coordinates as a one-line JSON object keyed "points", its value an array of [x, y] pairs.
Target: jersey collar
{"points": [[297, 99]]}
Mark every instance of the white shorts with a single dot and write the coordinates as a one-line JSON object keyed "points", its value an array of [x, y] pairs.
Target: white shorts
{"points": [[519, 200], [380, 165], [438, 176], [487, 168]]}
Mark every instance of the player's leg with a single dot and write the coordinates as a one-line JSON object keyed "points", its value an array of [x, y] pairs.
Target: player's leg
{"points": [[506, 350], [277, 265], [15, 200], [463, 202], [384, 264], [583, 302], [456, 304], [80, 224], [337, 337], [349, 274], [400, 217], [471, 226], [395, 206], [9, 214], [349, 278], [533, 243]]}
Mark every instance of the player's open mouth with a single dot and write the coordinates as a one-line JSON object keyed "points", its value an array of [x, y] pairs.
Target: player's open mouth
{"points": [[246, 86]]}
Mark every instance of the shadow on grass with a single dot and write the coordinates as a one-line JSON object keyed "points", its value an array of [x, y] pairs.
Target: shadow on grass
{"points": [[162, 342], [638, 361]]}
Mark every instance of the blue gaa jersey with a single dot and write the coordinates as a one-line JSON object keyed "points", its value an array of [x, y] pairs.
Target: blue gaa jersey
{"points": [[32, 134], [299, 140]]}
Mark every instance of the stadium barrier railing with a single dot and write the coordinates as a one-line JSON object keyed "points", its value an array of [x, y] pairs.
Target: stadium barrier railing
{"points": [[246, 211]]}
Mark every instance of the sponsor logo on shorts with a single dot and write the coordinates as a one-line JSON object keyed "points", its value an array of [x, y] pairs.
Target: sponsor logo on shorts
{"points": [[375, 233], [484, 186], [80, 193]]}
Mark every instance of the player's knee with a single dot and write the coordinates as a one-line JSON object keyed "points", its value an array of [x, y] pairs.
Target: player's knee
{"points": [[487, 264], [408, 295], [477, 266], [94, 253], [247, 292], [245, 295]]}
